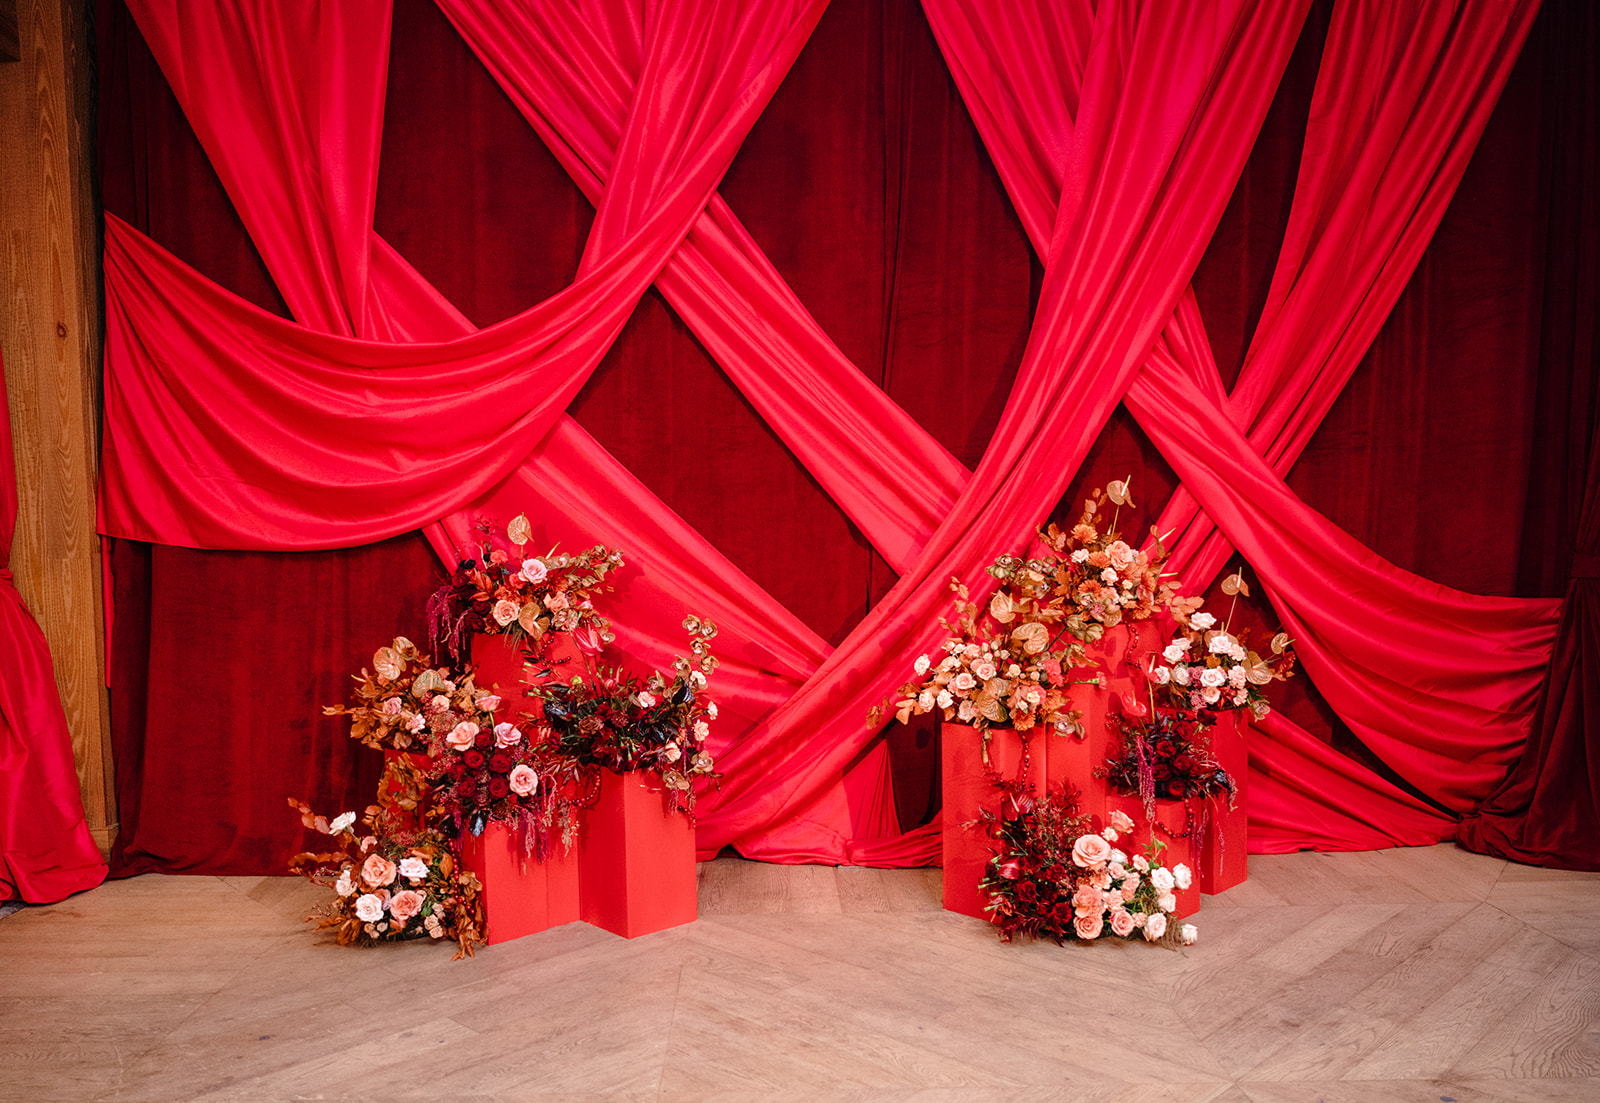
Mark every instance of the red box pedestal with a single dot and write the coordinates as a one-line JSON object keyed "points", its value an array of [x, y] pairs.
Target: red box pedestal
{"points": [[1113, 659], [1223, 857], [498, 665], [636, 858], [1171, 815], [521, 897], [966, 849]]}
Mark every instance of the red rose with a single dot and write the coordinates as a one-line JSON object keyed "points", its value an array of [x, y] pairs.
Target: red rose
{"points": [[485, 737], [1183, 764], [498, 787], [1177, 790], [1164, 748], [500, 762], [473, 759], [467, 788]]}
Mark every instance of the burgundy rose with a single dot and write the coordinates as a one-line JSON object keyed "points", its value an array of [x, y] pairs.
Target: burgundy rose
{"points": [[467, 788], [1183, 764], [1177, 790], [485, 737], [1161, 771], [500, 762], [498, 787], [1164, 748], [473, 759]]}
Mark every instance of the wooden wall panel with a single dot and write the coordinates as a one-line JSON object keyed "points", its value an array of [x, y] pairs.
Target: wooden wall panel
{"points": [[50, 338]]}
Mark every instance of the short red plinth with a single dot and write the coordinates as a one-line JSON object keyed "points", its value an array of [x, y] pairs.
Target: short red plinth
{"points": [[1223, 859], [637, 859], [966, 849], [1172, 827], [1109, 684], [521, 896], [499, 665]]}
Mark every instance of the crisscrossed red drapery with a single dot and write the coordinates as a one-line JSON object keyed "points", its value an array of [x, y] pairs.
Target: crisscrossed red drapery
{"points": [[1131, 167]]}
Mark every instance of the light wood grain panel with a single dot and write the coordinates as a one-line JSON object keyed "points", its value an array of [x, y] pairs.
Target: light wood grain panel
{"points": [[49, 336]]}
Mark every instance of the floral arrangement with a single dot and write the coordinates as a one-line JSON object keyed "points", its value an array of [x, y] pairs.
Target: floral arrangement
{"points": [[1052, 877], [404, 700], [508, 592], [482, 772], [1206, 667], [622, 723], [1006, 664], [391, 882], [1164, 756]]}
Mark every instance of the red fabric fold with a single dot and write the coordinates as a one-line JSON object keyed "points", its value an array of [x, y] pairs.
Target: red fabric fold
{"points": [[46, 850]]}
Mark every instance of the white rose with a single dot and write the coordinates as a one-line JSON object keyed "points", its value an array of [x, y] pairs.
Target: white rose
{"points": [[1176, 650], [965, 710], [1081, 555], [505, 612], [369, 909], [1161, 675], [1108, 576], [701, 729], [1161, 877], [1180, 674], [983, 669], [964, 682], [1202, 620], [921, 665], [342, 822], [646, 699], [344, 886], [1211, 695], [413, 869], [711, 710], [1221, 644], [1187, 934], [945, 699], [1154, 926], [1167, 902], [1181, 876], [925, 700], [415, 723], [1212, 676], [1117, 856]]}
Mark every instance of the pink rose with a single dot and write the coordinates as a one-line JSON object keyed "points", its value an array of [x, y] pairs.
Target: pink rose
{"points": [[489, 702], [404, 905], [507, 734], [462, 736], [369, 909], [1088, 926], [391, 706], [964, 682], [533, 571], [1086, 899], [505, 612], [1091, 851], [522, 780], [1121, 923], [1155, 925], [1120, 820], [378, 870]]}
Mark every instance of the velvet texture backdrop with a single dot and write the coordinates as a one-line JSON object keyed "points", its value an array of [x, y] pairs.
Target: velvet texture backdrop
{"points": [[890, 226]]}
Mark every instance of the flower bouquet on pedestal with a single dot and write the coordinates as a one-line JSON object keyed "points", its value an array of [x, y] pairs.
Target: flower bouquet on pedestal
{"points": [[507, 592]]}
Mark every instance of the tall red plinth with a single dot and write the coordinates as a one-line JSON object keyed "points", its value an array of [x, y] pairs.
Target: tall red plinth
{"points": [[500, 665], [636, 858], [1173, 827], [1223, 858], [1111, 682], [520, 895], [965, 845]]}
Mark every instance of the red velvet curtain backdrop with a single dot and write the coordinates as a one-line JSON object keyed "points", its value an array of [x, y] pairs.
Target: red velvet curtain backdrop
{"points": [[912, 275], [46, 851]]}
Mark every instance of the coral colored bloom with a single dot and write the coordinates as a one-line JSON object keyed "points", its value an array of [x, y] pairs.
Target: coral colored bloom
{"points": [[404, 905], [1088, 926], [522, 780], [377, 871], [462, 736], [1120, 820], [1091, 851], [1121, 923]]}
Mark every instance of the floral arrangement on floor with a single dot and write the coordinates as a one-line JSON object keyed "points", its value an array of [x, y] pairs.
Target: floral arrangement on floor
{"points": [[404, 700], [1052, 877], [1007, 664], [523, 597], [1206, 667], [391, 882], [1165, 756], [621, 723]]}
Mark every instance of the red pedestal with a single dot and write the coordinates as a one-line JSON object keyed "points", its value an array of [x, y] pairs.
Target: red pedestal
{"points": [[1222, 857], [1113, 660], [966, 850], [498, 665], [637, 860], [521, 896], [1172, 828]]}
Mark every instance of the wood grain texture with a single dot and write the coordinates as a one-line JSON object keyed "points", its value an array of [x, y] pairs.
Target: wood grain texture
{"points": [[49, 336], [813, 983]]}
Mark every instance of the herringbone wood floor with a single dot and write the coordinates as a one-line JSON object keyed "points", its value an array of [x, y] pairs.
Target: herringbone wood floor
{"points": [[1415, 975]]}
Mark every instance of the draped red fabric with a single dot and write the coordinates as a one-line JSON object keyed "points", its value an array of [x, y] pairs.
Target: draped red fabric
{"points": [[46, 851], [1063, 97]]}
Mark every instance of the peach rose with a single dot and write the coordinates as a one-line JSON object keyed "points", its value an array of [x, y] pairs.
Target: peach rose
{"points": [[505, 612], [1087, 899], [462, 736], [378, 870], [1120, 820], [1091, 851], [1088, 926], [522, 780], [1121, 923], [404, 905]]}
